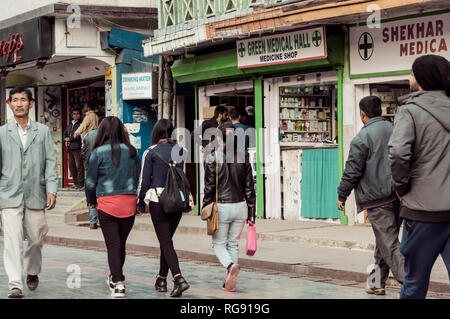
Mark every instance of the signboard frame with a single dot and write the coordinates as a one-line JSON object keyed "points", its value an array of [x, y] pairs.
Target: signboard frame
{"points": [[396, 19], [323, 44], [144, 93]]}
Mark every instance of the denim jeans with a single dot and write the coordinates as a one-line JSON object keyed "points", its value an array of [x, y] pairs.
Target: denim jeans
{"points": [[232, 217], [93, 215], [421, 245]]}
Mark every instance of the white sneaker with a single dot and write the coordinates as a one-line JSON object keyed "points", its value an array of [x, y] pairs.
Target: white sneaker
{"points": [[110, 283], [119, 290]]}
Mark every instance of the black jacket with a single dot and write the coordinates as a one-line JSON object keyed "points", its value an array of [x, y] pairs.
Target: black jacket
{"points": [[75, 143], [419, 154], [235, 180], [367, 168]]}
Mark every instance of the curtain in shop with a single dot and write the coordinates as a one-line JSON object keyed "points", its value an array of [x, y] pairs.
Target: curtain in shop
{"points": [[320, 180]]}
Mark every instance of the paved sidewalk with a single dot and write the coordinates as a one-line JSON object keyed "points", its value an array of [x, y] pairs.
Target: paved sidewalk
{"points": [[308, 248]]}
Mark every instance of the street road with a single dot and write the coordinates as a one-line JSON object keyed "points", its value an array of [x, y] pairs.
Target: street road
{"points": [[74, 273]]}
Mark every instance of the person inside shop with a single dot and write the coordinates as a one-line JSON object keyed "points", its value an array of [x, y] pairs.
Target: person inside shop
{"points": [[420, 162], [367, 171], [245, 134], [244, 116], [90, 122], [250, 110], [73, 145], [220, 116]]}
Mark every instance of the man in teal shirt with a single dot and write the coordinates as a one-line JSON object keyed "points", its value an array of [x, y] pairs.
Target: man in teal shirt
{"points": [[28, 185]]}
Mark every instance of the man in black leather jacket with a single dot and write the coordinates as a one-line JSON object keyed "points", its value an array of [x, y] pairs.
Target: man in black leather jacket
{"points": [[236, 199]]}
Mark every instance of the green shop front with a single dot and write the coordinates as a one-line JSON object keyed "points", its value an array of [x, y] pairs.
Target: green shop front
{"points": [[291, 86]]}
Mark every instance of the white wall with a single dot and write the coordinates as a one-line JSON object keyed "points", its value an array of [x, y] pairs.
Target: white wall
{"points": [[16, 7]]}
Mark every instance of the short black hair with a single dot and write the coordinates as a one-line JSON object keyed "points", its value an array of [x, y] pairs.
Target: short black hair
{"points": [[371, 105], [77, 109], [235, 113], [20, 89], [219, 110]]}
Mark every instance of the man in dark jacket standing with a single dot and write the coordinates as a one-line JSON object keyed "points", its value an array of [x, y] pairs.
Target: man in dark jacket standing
{"points": [[419, 154], [74, 149], [367, 171], [204, 134]]}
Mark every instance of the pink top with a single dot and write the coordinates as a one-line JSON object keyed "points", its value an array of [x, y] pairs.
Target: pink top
{"points": [[120, 206]]}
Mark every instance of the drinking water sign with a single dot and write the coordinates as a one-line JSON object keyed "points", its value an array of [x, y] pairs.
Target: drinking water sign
{"points": [[137, 86], [395, 45], [300, 45]]}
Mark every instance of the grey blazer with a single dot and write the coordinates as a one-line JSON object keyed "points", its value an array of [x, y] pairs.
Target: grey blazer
{"points": [[27, 174]]}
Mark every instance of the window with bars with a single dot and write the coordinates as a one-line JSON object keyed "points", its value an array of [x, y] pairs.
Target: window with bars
{"points": [[176, 12]]}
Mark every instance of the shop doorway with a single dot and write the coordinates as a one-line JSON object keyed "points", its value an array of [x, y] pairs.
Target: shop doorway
{"points": [[301, 112], [388, 92], [231, 95], [75, 96]]}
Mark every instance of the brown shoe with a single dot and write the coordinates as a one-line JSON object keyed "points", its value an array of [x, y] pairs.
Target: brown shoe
{"points": [[375, 291], [93, 226]]}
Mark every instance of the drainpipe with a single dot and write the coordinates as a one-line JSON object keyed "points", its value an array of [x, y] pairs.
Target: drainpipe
{"points": [[3, 74], [160, 87]]}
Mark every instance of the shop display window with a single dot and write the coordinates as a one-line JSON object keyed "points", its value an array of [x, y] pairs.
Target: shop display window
{"points": [[305, 113], [389, 94]]}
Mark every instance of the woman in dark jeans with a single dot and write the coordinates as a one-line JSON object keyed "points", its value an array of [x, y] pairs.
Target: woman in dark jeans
{"points": [[111, 185], [151, 184]]}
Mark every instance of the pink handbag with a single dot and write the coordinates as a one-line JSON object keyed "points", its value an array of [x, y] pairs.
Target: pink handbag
{"points": [[251, 239]]}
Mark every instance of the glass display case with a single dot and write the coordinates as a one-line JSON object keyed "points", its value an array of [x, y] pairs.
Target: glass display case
{"points": [[305, 113]]}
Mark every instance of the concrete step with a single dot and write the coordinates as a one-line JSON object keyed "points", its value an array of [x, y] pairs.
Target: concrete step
{"points": [[314, 234], [67, 192]]}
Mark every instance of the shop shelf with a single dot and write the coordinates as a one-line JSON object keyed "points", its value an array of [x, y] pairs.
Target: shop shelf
{"points": [[308, 144], [304, 107], [300, 119], [303, 95], [286, 131]]}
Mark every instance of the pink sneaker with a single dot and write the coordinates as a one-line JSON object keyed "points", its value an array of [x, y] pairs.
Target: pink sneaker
{"points": [[230, 281]]}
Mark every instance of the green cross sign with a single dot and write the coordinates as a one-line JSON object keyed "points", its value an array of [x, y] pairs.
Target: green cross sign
{"points": [[317, 38], [241, 50], [365, 46]]}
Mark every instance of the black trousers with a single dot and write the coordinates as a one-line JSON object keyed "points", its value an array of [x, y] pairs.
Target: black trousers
{"points": [[115, 231], [76, 167], [165, 226], [386, 221]]}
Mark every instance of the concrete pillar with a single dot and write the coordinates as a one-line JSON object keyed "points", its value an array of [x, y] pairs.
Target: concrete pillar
{"points": [[349, 129]]}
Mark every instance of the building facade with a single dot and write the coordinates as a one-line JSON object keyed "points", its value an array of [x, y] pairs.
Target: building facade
{"points": [[302, 66], [69, 55]]}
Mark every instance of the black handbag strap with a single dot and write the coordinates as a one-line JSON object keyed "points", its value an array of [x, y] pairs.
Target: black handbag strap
{"points": [[161, 157]]}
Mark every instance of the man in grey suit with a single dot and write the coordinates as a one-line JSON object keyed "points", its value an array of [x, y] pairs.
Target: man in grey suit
{"points": [[28, 185]]}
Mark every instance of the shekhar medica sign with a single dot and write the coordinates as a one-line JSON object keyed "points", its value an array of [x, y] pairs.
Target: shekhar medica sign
{"points": [[395, 45], [301, 45]]}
